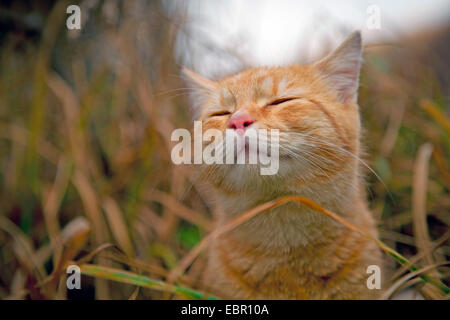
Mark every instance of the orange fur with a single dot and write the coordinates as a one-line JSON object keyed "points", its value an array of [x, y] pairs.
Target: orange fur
{"points": [[291, 252]]}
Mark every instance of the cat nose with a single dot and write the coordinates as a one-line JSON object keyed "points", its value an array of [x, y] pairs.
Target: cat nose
{"points": [[240, 120]]}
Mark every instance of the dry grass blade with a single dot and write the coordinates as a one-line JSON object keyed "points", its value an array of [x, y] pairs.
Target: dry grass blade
{"points": [[419, 198], [436, 114], [21, 135], [179, 209], [53, 202], [118, 225], [18, 290], [74, 238], [395, 121], [153, 269], [440, 162], [419, 214], [23, 248], [90, 203], [120, 257], [63, 91], [135, 294], [95, 252]]}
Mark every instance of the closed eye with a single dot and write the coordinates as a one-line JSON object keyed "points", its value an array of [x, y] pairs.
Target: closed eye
{"points": [[220, 113], [279, 101]]}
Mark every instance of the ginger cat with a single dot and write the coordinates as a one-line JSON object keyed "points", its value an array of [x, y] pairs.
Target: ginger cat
{"points": [[291, 252]]}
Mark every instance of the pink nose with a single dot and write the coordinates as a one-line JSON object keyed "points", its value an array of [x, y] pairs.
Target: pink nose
{"points": [[240, 120]]}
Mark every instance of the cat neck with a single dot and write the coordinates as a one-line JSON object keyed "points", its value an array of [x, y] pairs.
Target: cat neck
{"points": [[292, 225]]}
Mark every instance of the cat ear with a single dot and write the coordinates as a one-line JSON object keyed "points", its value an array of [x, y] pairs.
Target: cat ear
{"points": [[341, 68], [200, 89]]}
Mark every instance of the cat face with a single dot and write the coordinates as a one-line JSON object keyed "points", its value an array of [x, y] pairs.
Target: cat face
{"points": [[313, 107]]}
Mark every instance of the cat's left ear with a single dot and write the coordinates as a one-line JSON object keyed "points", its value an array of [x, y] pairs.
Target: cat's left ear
{"points": [[341, 68]]}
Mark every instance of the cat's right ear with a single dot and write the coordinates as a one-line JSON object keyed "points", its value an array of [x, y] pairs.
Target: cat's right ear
{"points": [[200, 88]]}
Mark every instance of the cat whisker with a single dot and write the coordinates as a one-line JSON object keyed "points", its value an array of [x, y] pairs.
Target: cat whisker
{"points": [[308, 160], [189, 89], [342, 150]]}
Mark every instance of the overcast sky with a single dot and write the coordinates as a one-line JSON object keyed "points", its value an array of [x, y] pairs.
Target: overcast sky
{"points": [[267, 32]]}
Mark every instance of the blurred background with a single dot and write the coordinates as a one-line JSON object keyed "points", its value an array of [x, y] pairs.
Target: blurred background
{"points": [[86, 117]]}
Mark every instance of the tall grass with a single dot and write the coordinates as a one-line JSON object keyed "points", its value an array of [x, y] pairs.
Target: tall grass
{"points": [[86, 175]]}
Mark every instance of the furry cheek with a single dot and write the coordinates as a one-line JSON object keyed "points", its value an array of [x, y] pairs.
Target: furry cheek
{"points": [[219, 123]]}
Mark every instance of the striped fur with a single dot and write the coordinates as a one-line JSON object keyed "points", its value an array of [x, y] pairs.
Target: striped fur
{"points": [[291, 252]]}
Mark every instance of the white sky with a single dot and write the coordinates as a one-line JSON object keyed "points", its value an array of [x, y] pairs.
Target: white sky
{"points": [[268, 32]]}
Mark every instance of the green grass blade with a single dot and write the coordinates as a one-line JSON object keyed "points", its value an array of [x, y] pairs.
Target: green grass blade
{"points": [[141, 281]]}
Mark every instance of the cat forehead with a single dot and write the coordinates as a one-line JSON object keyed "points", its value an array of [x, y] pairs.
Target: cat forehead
{"points": [[263, 82]]}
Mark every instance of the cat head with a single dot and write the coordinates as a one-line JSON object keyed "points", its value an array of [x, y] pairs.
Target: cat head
{"points": [[313, 106]]}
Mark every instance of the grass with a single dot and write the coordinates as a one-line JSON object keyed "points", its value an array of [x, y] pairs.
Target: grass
{"points": [[86, 173]]}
